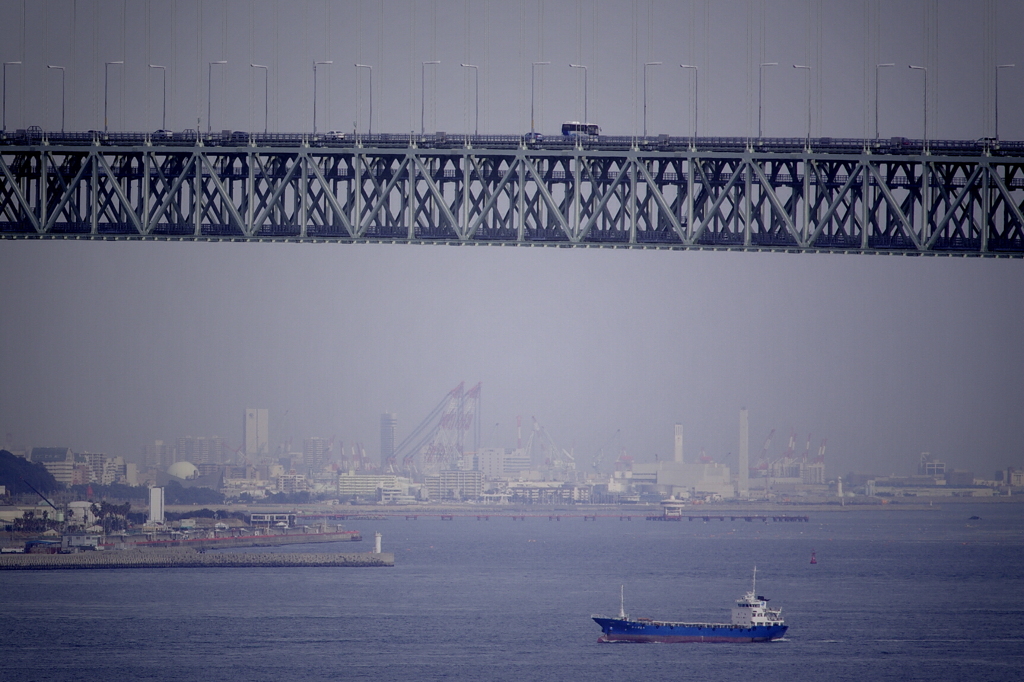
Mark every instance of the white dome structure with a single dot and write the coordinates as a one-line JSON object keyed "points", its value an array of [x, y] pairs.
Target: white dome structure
{"points": [[183, 470]]}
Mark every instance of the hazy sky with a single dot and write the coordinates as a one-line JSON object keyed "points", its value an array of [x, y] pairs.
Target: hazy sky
{"points": [[108, 346]]}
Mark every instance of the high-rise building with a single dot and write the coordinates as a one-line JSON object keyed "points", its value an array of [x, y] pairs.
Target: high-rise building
{"points": [[199, 450], [314, 451], [678, 450], [814, 472], [97, 464], [388, 435], [158, 455], [257, 440]]}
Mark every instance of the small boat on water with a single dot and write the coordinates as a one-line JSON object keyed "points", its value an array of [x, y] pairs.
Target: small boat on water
{"points": [[752, 621]]}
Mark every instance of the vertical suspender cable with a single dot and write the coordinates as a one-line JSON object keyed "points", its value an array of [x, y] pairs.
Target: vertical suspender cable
{"points": [[124, 50]]}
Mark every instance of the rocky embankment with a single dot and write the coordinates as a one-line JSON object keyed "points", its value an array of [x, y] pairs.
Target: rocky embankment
{"points": [[187, 558]]}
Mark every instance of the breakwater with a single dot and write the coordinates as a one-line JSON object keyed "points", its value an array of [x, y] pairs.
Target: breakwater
{"points": [[187, 558], [273, 540]]}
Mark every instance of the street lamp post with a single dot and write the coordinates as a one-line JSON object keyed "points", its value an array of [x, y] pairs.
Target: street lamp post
{"points": [[760, 90], [808, 69], [423, 94], [877, 67], [163, 70], [924, 142], [586, 117], [106, 72], [695, 73], [1000, 66], [476, 91], [62, 99], [316, 64], [266, 93], [533, 78], [209, 92], [646, 64], [369, 126], [5, 93]]}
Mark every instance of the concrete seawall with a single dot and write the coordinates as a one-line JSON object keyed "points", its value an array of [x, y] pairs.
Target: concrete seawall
{"points": [[186, 558], [253, 540]]}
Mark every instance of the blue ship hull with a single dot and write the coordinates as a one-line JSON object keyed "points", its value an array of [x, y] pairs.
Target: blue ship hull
{"points": [[627, 630]]}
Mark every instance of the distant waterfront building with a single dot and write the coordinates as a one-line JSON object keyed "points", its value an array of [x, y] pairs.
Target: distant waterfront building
{"points": [[314, 451], [116, 470], [930, 466], [157, 455], [548, 492], [199, 450], [677, 449], [156, 505], [497, 462], [388, 436], [364, 485], [291, 483], [60, 462], [82, 474], [490, 462], [455, 485], [183, 470], [960, 478], [257, 434], [517, 461], [97, 464], [706, 477], [814, 472]]}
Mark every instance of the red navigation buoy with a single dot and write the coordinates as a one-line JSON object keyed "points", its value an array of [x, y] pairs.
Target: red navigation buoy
{"points": [[814, 559]]}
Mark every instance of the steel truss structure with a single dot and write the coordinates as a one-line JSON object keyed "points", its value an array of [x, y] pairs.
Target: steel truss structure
{"points": [[639, 196]]}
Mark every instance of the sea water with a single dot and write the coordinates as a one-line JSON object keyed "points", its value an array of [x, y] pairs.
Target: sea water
{"points": [[909, 595]]}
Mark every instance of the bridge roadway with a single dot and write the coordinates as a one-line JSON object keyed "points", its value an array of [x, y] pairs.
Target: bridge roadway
{"points": [[892, 196]]}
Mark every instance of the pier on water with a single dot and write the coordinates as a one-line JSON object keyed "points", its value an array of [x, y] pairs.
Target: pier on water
{"points": [[558, 516], [749, 518]]}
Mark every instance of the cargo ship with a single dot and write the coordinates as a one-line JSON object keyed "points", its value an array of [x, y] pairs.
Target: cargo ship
{"points": [[752, 621]]}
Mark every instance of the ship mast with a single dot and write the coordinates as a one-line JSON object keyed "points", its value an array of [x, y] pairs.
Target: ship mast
{"points": [[622, 603]]}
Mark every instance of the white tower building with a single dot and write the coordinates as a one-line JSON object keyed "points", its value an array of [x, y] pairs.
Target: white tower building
{"points": [[678, 454], [156, 505], [257, 440]]}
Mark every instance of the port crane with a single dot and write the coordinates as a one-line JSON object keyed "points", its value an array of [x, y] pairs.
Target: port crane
{"points": [[600, 452], [547, 450], [441, 437]]}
